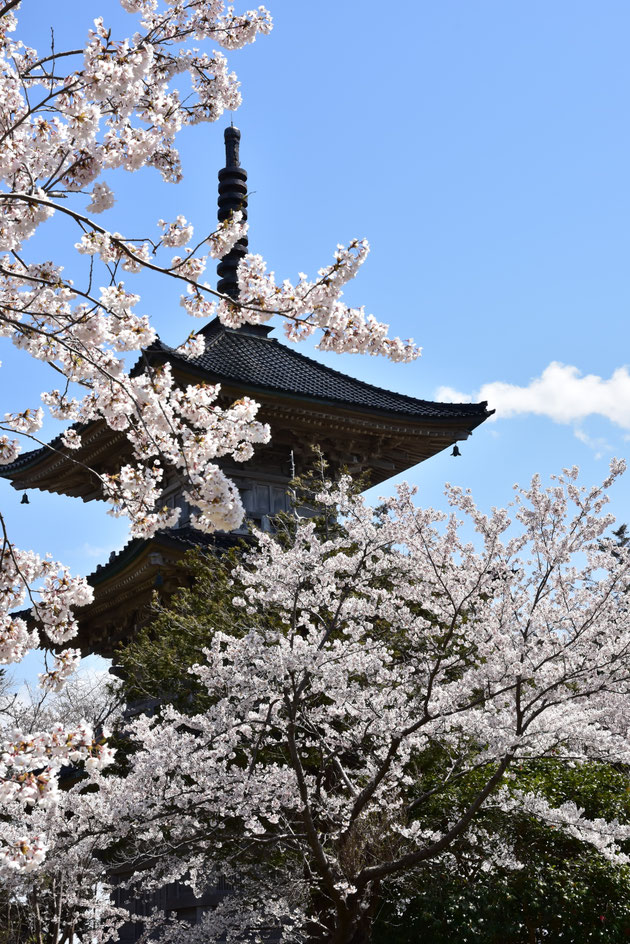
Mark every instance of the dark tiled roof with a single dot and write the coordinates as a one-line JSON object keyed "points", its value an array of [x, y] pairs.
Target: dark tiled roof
{"points": [[25, 458], [249, 357], [185, 538], [55, 445], [6, 471]]}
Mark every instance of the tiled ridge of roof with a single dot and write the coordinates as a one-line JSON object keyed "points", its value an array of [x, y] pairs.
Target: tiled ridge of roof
{"points": [[248, 356], [259, 361], [25, 458], [186, 537]]}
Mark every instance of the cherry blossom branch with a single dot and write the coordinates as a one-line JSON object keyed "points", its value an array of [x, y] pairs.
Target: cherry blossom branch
{"points": [[406, 862]]}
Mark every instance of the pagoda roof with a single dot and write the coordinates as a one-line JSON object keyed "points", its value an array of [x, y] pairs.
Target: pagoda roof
{"points": [[125, 585], [56, 447], [248, 357], [244, 361], [183, 539]]}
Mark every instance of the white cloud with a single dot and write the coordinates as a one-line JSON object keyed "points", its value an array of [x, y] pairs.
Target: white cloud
{"points": [[561, 392], [599, 446], [450, 395]]}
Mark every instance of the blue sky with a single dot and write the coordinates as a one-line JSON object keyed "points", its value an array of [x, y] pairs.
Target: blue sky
{"points": [[483, 149]]}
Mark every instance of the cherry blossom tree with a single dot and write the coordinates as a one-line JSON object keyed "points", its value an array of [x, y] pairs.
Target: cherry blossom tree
{"points": [[95, 697], [68, 116], [389, 685], [360, 651], [68, 897]]}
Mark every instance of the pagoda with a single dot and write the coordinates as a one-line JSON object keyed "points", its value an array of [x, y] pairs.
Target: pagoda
{"points": [[356, 425]]}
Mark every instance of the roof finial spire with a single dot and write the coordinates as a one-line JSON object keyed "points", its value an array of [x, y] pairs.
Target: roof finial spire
{"points": [[232, 197], [232, 140]]}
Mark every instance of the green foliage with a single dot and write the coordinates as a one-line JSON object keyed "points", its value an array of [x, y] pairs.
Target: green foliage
{"points": [[155, 663], [621, 535], [565, 892]]}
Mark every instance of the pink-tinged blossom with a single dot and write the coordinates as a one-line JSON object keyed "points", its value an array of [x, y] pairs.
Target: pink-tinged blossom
{"points": [[65, 665], [16, 639], [120, 103], [26, 853], [71, 439], [28, 421], [102, 199], [363, 646], [193, 346], [227, 235], [9, 450], [29, 767], [53, 592], [310, 307], [177, 233]]}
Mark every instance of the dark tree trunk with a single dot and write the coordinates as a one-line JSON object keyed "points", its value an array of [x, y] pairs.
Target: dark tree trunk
{"points": [[350, 925]]}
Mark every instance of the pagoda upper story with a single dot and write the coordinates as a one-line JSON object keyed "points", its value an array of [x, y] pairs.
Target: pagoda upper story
{"points": [[358, 426]]}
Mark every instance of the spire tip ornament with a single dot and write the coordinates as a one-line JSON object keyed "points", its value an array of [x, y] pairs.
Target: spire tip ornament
{"points": [[232, 138], [232, 197]]}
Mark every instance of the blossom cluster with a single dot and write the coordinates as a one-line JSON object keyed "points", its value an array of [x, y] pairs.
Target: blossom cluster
{"points": [[368, 640], [308, 307], [67, 119], [187, 430], [53, 593], [66, 663], [29, 768], [364, 646]]}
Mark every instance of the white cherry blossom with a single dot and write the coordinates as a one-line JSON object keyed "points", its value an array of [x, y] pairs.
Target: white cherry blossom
{"points": [[362, 647], [67, 118]]}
